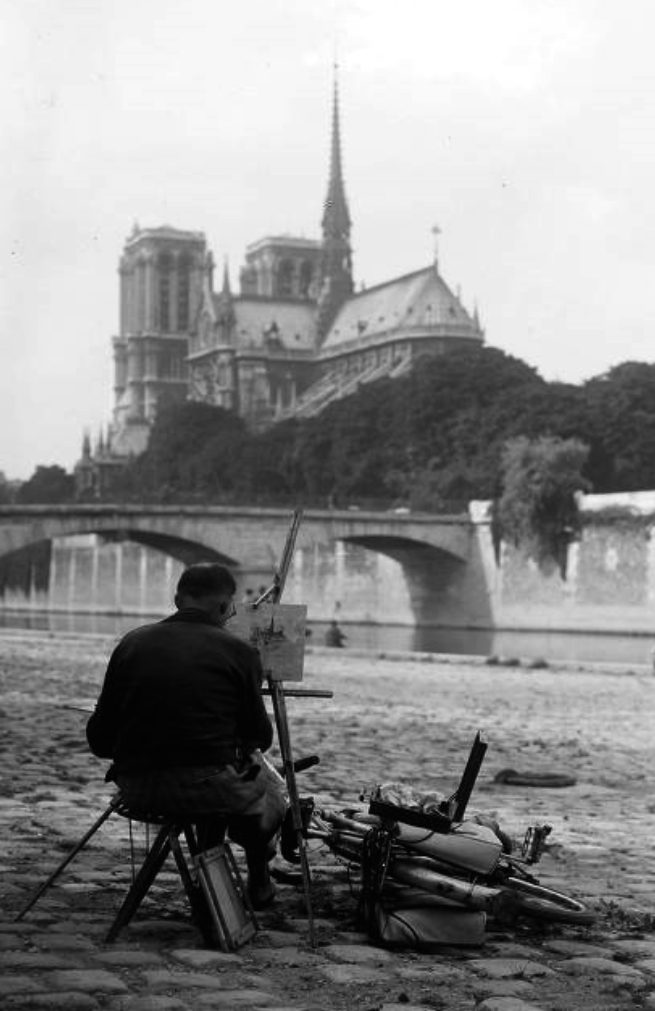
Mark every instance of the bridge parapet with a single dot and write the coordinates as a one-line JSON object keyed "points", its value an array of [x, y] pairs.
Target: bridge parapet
{"points": [[232, 532]]}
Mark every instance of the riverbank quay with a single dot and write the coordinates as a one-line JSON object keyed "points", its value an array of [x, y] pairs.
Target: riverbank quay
{"points": [[390, 719]]}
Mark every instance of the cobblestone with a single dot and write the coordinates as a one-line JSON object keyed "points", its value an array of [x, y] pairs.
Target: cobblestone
{"points": [[33, 959], [508, 1004], [596, 725], [128, 958], [514, 968], [598, 967], [503, 988], [199, 958], [163, 979], [350, 973], [10, 985], [150, 1002], [60, 1000], [248, 999], [357, 953], [90, 980]]}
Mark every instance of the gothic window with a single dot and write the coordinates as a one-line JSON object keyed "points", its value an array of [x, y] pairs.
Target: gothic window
{"points": [[306, 278], [183, 293], [285, 278], [170, 365], [164, 267], [140, 296]]}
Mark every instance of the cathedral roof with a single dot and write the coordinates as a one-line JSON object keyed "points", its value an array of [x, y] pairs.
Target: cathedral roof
{"points": [[163, 232], [294, 242], [419, 304], [258, 321]]}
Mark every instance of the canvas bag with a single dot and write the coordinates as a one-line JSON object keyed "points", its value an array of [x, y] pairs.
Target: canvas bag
{"points": [[399, 916], [408, 918]]}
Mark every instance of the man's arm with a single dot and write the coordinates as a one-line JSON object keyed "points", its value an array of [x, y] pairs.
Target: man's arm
{"points": [[102, 726], [255, 728]]}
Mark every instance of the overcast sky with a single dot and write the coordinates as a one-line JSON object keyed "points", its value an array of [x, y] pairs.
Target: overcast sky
{"points": [[524, 129]]}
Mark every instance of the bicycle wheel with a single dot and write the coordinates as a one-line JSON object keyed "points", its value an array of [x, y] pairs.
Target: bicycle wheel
{"points": [[514, 897], [527, 898]]}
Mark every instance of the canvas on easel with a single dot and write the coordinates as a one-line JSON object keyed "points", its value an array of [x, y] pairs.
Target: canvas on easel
{"points": [[277, 632]]}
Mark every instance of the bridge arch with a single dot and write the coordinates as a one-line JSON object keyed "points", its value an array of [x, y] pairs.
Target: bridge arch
{"points": [[431, 573], [187, 550], [183, 550], [28, 570]]}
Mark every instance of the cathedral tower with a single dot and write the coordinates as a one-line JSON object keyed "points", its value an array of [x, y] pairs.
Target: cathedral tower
{"points": [[336, 281], [161, 272]]}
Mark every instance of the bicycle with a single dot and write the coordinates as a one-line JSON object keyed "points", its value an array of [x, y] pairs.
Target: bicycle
{"points": [[413, 858], [468, 866]]}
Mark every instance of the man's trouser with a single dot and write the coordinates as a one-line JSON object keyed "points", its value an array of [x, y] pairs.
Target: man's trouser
{"points": [[244, 798]]}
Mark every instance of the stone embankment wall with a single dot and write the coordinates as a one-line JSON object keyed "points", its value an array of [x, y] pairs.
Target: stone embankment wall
{"points": [[610, 578]]}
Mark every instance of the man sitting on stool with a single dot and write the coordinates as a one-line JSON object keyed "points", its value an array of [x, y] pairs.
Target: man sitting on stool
{"points": [[180, 713]]}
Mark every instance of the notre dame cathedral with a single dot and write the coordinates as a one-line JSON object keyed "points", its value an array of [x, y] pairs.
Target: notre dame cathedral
{"points": [[295, 337]]}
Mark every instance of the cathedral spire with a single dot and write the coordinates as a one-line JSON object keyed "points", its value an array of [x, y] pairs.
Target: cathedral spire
{"points": [[336, 282], [336, 218]]}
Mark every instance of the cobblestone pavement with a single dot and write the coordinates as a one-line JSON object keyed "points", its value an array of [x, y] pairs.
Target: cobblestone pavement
{"points": [[410, 719]]}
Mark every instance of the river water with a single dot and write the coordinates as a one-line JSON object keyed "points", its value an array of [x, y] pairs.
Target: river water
{"points": [[504, 644]]}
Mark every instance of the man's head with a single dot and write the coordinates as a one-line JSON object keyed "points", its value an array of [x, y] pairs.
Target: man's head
{"points": [[208, 587]]}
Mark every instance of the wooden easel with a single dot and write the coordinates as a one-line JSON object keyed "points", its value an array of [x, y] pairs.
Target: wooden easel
{"points": [[277, 692]]}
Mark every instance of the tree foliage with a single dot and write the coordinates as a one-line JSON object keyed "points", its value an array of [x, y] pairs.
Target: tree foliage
{"points": [[431, 440], [47, 485], [537, 508], [7, 490]]}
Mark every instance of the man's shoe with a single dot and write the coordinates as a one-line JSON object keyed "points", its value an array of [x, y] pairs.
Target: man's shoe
{"points": [[261, 894]]}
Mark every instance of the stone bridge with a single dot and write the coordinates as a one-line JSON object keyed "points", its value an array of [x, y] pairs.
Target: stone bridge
{"points": [[438, 554]]}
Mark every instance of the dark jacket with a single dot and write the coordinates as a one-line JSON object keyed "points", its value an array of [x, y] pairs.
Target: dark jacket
{"points": [[181, 692]]}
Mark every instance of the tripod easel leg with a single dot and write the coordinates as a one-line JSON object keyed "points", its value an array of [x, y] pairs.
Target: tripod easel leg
{"points": [[280, 710], [67, 859]]}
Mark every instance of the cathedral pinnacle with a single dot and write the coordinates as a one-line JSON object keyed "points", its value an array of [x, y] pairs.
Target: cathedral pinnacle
{"points": [[436, 232], [226, 290]]}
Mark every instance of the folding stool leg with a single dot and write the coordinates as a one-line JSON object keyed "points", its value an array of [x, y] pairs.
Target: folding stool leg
{"points": [[67, 859], [149, 870]]}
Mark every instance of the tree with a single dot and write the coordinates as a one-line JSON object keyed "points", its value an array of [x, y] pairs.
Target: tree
{"points": [[47, 485], [194, 450], [538, 509], [7, 490], [620, 407]]}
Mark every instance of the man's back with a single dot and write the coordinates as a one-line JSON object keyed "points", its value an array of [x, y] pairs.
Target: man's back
{"points": [[181, 692]]}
